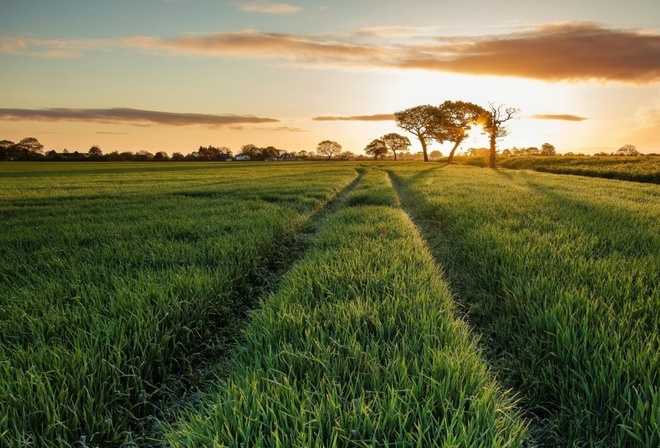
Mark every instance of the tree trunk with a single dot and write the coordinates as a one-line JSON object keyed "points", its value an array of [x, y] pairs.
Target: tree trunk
{"points": [[426, 157], [493, 139], [394, 155], [453, 150]]}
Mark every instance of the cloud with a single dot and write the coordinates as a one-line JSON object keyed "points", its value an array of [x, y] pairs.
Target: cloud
{"points": [[397, 31], [554, 52], [376, 117], [52, 48], [287, 129], [565, 117], [130, 116], [274, 8], [302, 49]]}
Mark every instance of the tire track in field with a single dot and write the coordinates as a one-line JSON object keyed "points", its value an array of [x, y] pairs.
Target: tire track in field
{"points": [[279, 259], [408, 209]]}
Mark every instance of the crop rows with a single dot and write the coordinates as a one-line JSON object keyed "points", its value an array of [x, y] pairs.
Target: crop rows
{"points": [[560, 275], [115, 279], [126, 287], [638, 168], [360, 346]]}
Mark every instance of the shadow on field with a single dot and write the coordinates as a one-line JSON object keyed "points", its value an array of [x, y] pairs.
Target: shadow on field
{"points": [[598, 218]]}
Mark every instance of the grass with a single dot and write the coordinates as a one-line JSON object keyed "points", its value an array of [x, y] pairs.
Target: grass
{"points": [[561, 278], [125, 292], [360, 346], [638, 168], [121, 279]]}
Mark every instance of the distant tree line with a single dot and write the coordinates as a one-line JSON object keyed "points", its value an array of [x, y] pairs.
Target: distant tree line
{"points": [[449, 122]]}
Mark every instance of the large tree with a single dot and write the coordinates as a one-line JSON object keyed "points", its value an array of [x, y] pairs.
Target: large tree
{"points": [[376, 148], [494, 126], [421, 121], [328, 148], [6, 147], [456, 119], [395, 142], [28, 146]]}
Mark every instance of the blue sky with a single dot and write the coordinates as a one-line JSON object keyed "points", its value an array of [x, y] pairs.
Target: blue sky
{"points": [[585, 74]]}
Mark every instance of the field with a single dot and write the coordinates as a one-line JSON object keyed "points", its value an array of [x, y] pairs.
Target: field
{"points": [[326, 304], [638, 168]]}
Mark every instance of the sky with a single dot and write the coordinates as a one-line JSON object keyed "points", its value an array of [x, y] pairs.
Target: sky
{"points": [[171, 75]]}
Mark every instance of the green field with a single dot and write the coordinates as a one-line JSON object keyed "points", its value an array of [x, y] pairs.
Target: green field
{"points": [[637, 168], [326, 304]]}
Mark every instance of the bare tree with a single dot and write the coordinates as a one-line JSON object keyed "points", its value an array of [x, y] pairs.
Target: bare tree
{"points": [[395, 142], [497, 116], [328, 148], [376, 148], [457, 118], [421, 121]]}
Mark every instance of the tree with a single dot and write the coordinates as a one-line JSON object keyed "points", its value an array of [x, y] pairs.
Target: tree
{"points": [[376, 148], [328, 148], [497, 116], [548, 150], [251, 150], [6, 148], [395, 142], [95, 151], [435, 155], [627, 150], [456, 119], [28, 146], [421, 121], [161, 155]]}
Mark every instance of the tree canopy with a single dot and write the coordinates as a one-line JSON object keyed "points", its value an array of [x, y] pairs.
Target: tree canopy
{"points": [[456, 118], [421, 121], [376, 148], [328, 148], [627, 150], [395, 142]]}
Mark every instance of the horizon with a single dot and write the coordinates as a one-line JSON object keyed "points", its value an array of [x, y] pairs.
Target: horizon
{"points": [[174, 75]]}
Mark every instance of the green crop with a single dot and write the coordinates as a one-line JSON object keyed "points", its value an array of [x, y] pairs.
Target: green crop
{"points": [[360, 346], [560, 275], [117, 278]]}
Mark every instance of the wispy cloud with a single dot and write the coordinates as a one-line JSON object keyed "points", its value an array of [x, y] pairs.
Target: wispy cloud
{"points": [[376, 117], [398, 31], [130, 116], [52, 48], [273, 8], [565, 117]]}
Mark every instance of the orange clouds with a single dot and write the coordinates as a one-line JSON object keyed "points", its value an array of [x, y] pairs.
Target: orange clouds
{"points": [[376, 117], [303, 49], [569, 51], [275, 8], [129, 116], [556, 52], [564, 117]]}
